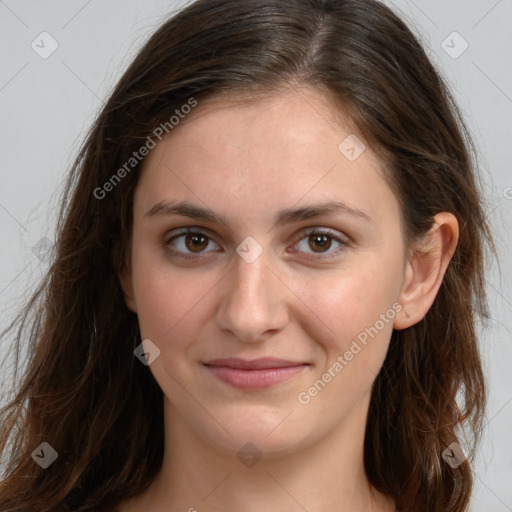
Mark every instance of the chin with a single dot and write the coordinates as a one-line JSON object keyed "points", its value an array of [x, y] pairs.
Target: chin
{"points": [[268, 433]]}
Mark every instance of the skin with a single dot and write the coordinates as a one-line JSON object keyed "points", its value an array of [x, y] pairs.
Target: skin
{"points": [[247, 161]]}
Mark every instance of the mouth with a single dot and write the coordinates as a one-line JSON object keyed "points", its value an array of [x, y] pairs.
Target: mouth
{"points": [[256, 374]]}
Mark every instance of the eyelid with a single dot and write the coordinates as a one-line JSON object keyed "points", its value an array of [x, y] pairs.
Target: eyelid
{"points": [[194, 230], [336, 235]]}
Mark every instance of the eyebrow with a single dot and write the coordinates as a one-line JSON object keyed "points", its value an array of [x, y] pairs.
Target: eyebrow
{"points": [[287, 216]]}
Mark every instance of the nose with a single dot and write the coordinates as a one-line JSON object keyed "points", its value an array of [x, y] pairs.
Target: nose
{"points": [[253, 303]]}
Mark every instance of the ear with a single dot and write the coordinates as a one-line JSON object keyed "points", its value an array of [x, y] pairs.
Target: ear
{"points": [[125, 277], [425, 269]]}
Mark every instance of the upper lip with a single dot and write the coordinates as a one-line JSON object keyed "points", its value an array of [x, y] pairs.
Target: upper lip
{"points": [[253, 364]]}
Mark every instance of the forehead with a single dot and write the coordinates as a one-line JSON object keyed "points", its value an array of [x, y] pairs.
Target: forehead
{"points": [[268, 152]]}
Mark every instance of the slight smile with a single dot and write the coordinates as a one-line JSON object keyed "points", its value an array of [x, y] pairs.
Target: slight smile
{"points": [[254, 374]]}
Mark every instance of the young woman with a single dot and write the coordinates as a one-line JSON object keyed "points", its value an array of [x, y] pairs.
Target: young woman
{"points": [[268, 272]]}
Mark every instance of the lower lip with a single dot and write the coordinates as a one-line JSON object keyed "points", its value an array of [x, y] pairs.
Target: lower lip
{"points": [[255, 379]]}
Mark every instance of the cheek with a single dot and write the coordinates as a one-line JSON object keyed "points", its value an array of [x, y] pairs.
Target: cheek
{"points": [[347, 302], [171, 302], [351, 337], [355, 321]]}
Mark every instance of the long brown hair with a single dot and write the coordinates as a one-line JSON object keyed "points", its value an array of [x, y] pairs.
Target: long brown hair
{"points": [[83, 391]]}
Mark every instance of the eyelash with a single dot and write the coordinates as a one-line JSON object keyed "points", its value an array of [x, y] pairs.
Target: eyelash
{"points": [[314, 231]]}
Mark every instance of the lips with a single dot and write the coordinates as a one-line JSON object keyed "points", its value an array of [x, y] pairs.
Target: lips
{"points": [[255, 364], [254, 374]]}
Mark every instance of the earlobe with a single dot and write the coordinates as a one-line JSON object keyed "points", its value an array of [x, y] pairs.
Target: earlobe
{"points": [[125, 279], [425, 270]]}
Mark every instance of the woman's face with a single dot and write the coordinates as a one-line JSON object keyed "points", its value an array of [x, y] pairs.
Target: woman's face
{"points": [[268, 334]]}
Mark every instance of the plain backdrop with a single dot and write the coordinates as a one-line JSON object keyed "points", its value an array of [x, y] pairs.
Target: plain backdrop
{"points": [[49, 101]]}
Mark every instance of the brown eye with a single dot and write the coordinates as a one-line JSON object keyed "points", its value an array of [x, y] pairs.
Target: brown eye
{"points": [[319, 242], [191, 242], [196, 242], [318, 245]]}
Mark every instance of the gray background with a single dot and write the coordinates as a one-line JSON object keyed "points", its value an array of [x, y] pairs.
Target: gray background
{"points": [[47, 104]]}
